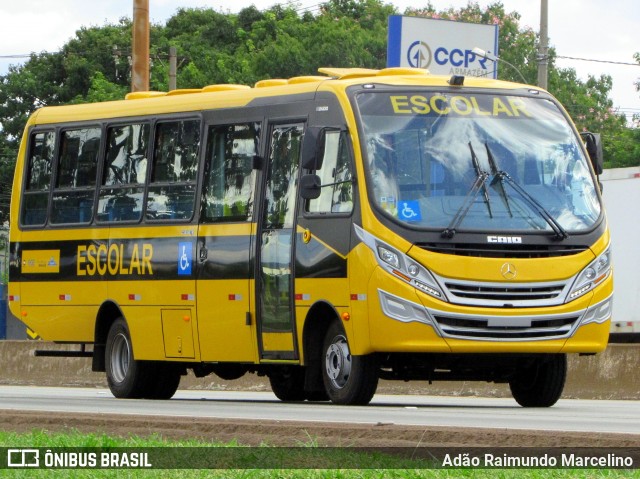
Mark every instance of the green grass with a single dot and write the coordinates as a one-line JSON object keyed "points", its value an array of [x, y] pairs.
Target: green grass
{"points": [[377, 465]]}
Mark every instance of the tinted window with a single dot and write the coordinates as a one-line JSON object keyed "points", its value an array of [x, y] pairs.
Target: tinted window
{"points": [[124, 175], [176, 151], [175, 170], [36, 196], [40, 160], [280, 192], [229, 177], [76, 176], [126, 155], [336, 194]]}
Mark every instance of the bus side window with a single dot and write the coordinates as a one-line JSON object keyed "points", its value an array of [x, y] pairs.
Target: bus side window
{"points": [[126, 155], [76, 176], [229, 182], [36, 195], [336, 193], [174, 172], [125, 172]]}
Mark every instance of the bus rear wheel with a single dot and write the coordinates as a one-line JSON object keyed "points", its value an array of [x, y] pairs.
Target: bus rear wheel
{"points": [[541, 384], [126, 376], [164, 380], [348, 379], [129, 378]]}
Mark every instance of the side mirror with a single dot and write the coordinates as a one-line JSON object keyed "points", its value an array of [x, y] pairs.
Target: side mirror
{"points": [[593, 143], [310, 187], [313, 148]]}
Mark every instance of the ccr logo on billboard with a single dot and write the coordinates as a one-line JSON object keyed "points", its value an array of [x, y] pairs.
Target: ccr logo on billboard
{"points": [[443, 47], [419, 55]]}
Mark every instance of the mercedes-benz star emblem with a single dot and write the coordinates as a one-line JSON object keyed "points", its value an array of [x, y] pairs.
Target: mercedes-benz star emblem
{"points": [[508, 271]]}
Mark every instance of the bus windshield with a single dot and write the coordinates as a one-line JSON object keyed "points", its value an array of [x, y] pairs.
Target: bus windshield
{"points": [[476, 162]]}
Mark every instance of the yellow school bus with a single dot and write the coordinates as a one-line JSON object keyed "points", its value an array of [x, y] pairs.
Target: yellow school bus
{"points": [[325, 231]]}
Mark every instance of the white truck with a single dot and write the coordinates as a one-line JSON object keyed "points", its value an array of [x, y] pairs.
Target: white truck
{"points": [[621, 193]]}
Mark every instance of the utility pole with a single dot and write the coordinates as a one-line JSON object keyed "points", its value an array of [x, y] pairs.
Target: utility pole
{"points": [[543, 48], [173, 67], [140, 46]]}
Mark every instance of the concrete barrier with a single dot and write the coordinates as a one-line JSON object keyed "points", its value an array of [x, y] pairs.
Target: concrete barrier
{"points": [[614, 374]]}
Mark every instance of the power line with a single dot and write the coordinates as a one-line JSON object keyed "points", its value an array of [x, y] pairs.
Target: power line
{"points": [[599, 61]]}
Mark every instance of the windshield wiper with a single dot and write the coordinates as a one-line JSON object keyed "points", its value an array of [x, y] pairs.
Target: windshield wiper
{"points": [[498, 180], [478, 184], [501, 176]]}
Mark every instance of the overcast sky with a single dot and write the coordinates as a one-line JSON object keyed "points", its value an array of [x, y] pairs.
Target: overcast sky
{"points": [[591, 29]]}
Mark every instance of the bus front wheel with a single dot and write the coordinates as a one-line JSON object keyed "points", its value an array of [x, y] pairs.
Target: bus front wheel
{"points": [[541, 384], [348, 379]]}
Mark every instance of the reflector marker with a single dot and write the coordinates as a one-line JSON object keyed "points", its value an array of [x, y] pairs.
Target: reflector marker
{"points": [[64, 297], [187, 297], [135, 297], [303, 297], [235, 297], [358, 297]]}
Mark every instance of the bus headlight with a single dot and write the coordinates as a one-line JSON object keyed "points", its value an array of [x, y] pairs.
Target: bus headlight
{"points": [[400, 265], [389, 256], [408, 270], [590, 277]]}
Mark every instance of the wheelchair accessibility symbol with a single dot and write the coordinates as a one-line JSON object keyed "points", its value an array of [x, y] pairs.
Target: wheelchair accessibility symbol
{"points": [[185, 255], [409, 211]]}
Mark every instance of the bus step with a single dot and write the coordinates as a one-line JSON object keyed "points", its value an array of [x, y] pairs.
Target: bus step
{"points": [[62, 354]]}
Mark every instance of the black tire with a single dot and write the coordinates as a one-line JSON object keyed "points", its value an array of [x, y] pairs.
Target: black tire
{"points": [[127, 378], [540, 385], [316, 396], [288, 384], [163, 382], [349, 380]]}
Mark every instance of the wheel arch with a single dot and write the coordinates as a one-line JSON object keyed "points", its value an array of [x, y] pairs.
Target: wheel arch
{"points": [[318, 320], [316, 324], [109, 311]]}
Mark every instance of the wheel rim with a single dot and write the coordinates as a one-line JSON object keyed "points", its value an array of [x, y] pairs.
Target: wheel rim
{"points": [[120, 357], [338, 362]]}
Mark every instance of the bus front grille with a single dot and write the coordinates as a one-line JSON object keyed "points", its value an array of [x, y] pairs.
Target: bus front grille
{"points": [[484, 294], [507, 293], [506, 328]]}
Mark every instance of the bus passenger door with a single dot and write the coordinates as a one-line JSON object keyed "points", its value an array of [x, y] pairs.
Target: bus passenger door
{"points": [[276, 230], [226, 238]]}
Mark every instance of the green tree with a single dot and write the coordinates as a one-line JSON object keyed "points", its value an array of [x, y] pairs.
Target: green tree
{"points": [[101, 89]]}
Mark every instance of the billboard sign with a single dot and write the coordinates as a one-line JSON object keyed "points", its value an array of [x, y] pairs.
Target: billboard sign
{"points": [[444, 47]]}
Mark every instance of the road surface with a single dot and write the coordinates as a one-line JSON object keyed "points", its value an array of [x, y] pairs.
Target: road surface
{"points": [[234, 414]]}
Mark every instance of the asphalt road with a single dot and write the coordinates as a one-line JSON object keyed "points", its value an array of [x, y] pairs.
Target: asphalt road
{"points": [[597, 416]]}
